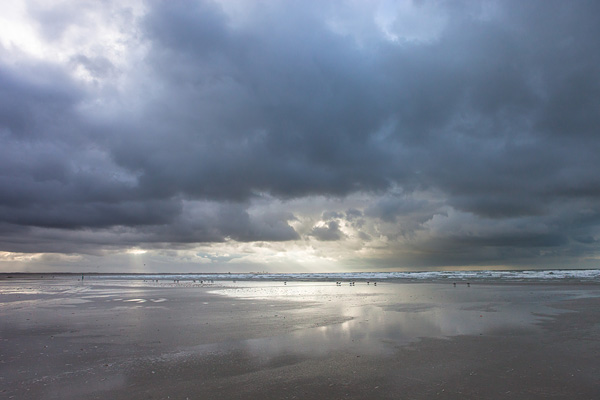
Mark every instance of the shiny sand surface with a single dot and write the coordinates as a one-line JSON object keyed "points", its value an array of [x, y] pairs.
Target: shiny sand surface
{"points": [[130, 339]]}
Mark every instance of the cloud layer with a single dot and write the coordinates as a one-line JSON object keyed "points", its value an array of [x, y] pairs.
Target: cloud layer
{"points": [[374, 134]]}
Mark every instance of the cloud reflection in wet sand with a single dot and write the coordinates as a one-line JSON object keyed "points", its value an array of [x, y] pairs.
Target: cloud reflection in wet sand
{"points": [[384, 317]]}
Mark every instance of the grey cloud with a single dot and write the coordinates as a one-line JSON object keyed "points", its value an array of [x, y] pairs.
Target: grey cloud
{"points": [[586, 239], [494, 116], [320, 133], [389, 208], [34, 99], [354, 218], [510, 238], [329, 232], [149, 227], [353, 213], [53, 20], [97, 66], [294, 133], [364, 236], [327, 215]]}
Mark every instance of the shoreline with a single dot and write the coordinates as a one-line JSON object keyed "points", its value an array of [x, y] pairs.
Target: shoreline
{"points": [[568, 276]]}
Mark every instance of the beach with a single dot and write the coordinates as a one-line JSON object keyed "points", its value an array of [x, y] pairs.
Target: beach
{"points": [[67, 338]]}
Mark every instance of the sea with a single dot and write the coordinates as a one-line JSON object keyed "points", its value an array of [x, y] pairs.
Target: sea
{"points": [[491, 276]]}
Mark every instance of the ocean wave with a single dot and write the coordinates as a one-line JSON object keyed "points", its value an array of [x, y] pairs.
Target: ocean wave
{"points": [[576, 275]]}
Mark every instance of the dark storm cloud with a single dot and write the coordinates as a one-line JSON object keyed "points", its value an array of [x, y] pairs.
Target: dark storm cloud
{"points": [[35, 97], [389, 208], [197, 223], [495, 111], [297, 112], [276, 110]]}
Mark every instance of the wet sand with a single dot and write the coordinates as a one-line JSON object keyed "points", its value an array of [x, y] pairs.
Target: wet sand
{"points": [[102, 339]]}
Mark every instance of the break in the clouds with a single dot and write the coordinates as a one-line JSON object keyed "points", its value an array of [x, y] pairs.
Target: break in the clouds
{"points": [[309, 135]]}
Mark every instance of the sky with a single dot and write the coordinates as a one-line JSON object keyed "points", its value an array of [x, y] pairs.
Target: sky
{"points": [[299, 136]]}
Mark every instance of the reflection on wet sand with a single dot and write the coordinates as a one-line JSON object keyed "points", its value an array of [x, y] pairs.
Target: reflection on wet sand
{"points": [[378, 319]]}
